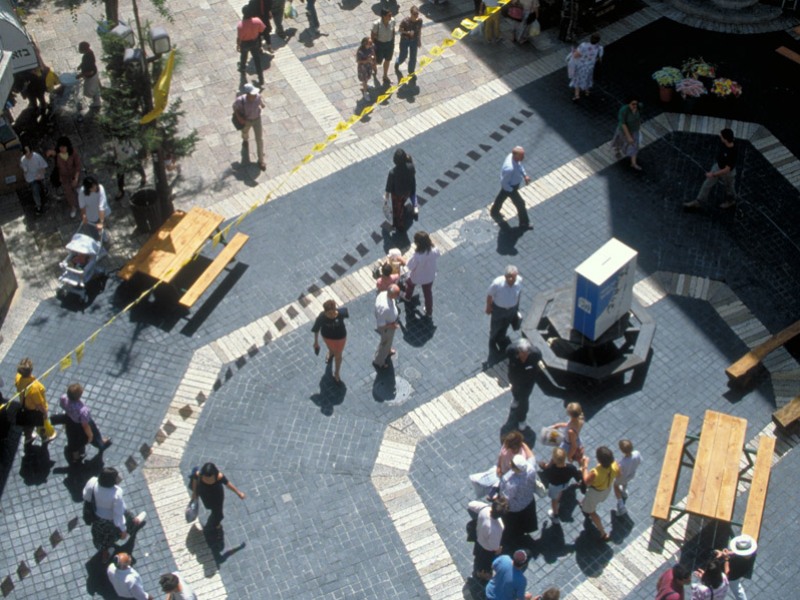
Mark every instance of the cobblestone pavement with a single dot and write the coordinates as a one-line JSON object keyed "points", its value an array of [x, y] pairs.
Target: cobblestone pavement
{"points": [[359, 491]]}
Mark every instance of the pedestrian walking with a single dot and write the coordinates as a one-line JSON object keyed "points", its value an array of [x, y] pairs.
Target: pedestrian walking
{"points": [[723, 170], [572, 443], [671, 583], [518, 486], [247, 109], [87, 71], [523, 361], [176, 587], [34, 413], [209, 485], [401, 184], [68, 165], [387, 321], [278, 7], [508, 581], [248, 36], [111, 520], [558, 473], [80, 426], [584, 59], [125, 580], [502, 305], [93, 203], [489, 532], [627, 137], [365, 64], [382, 33], [263, 10], [598, 483], [34, 167], [410, 41], [330, 323], [422, 270], [512, 176], [628, 465]]}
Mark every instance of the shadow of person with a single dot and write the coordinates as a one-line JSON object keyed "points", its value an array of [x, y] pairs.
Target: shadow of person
{"points": [[216, 543], [409, 91], [474, 589], [197, 545], [97, 583], [418, 329], [621, 526], [79, 474], [591, 555], [349, 4], [330, 393], [568, 504], [552, 543], [390, 4], [384, 387], [507, 239], [34, 468]]}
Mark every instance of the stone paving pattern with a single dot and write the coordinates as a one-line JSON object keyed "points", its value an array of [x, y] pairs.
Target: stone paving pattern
{"points": [[302, 449]]}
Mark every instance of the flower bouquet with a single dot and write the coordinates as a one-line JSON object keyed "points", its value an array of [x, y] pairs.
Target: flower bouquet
{"points": [[698, 67], [667, 76], [726, 87], [690, 87]]}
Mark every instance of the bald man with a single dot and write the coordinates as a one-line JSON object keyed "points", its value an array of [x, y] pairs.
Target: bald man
{"points": [[387, 320], [511, 178], [127, 583]]}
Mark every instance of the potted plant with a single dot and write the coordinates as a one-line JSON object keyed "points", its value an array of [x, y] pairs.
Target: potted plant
{"points": [[724, 88], [697, 68], [666, 78], [691, 88]]}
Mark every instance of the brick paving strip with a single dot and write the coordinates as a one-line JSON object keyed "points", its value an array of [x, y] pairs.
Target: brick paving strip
{"points": [[439, 575]]}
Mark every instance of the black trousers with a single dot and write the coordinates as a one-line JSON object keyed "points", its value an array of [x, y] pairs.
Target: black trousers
{"points": [[518, 202], [254, 48]]}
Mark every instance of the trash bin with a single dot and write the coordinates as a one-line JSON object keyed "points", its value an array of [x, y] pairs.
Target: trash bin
{"points": [[146, 210]]}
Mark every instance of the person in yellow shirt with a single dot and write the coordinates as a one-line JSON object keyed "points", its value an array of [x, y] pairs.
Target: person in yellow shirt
{"points": [[599, 483], [34, 404]]}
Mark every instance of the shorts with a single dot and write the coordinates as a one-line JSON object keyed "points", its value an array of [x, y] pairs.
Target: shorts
{"points": [[384, 51], [592, 498], [555, 491]]}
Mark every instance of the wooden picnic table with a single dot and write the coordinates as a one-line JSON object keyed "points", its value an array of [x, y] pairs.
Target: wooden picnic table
{"points": [[715, 476], [173, 245]]}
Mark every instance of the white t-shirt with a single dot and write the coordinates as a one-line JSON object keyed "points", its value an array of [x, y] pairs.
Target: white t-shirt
{"points": [[93, 203], [32, 167], [490, 531], [628, 466], [109, 502], [385, 310], [422, 267], [127, 583]]}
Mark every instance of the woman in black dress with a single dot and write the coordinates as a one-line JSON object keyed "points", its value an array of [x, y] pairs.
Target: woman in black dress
{"points": [[209, 484], [401, 184], [330, 323]]}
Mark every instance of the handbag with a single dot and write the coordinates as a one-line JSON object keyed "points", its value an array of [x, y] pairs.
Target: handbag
{"points": [[90, 510], [551, 436], [237, 124], [191, 511]]}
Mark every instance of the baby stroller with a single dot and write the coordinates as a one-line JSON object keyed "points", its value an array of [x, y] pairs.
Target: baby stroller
{"points": [[86, 249]]}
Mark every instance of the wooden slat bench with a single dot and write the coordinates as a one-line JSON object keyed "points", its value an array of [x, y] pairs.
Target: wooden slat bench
{"points": [[745, 365], [670, 468], [788, 417], [757, 497], [213, 270], [790, 54]]}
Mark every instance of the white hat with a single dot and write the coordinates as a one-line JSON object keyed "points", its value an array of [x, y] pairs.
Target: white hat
{"points": [[743, 545], [249, 88], [520, 462]]}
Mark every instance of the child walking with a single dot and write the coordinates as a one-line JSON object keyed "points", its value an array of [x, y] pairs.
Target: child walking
{"points": [[572, 444], [628, 464], [558, 474]]}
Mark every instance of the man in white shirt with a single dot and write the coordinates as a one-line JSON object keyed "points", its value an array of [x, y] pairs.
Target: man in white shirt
{"points": [[386, 317], [502, 304], [489, 531], [33, 166], [127, 583]]}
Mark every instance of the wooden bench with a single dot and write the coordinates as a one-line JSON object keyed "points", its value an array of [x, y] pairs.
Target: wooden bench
{"points": [[213, 270], [788, 416], [757, 497], [670, 468], [744, 366], [790, 54]]}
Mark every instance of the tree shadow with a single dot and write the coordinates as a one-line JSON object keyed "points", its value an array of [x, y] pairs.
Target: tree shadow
{"points": [[330, 393]]}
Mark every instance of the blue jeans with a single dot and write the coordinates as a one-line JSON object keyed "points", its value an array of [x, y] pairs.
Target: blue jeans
{"points": [[311, 9], [36, 191], [407, 48]]}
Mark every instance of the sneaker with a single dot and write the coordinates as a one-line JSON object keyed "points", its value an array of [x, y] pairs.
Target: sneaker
{"points": [[139, 520], [73, 213]]}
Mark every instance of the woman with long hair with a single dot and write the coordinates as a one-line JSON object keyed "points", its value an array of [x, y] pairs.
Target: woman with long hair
{"points": [[422, 269]]}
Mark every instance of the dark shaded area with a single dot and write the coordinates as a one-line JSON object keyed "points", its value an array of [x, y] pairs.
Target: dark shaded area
{"points": [[331, 393]]}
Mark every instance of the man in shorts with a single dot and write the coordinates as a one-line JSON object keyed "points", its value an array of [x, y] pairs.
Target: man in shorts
{"points": [[383, 31]]}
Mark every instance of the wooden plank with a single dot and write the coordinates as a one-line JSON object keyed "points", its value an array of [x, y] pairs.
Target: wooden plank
{"points": [[789, 415], [790, 54], [138, 262], [670, 468], [213, 270], [185, 241], [703, 466], [757, 497], [733, 442], [751, 360]]}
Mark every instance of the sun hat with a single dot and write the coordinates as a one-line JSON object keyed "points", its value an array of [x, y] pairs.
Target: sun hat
{"points": [[743, 545]]}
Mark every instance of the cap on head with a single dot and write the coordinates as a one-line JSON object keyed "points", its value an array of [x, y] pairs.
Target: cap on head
{"points": [[249, 89], [743, 545], [519, 462]]}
